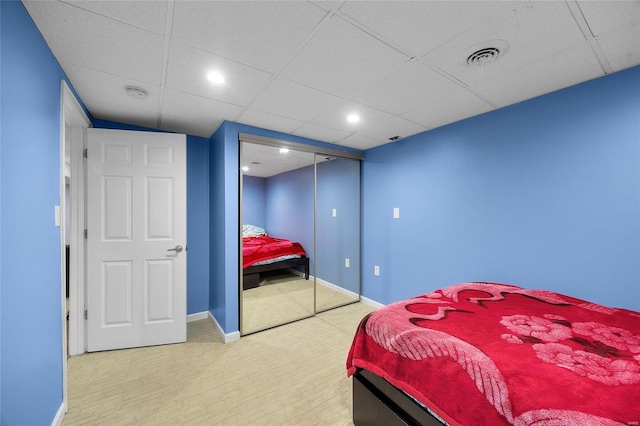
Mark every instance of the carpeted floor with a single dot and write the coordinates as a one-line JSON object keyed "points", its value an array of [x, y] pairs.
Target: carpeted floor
{"points": [[284, 298], [290, 375]]}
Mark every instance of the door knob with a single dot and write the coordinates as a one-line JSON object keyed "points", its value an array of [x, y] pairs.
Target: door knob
{"points": [[177, 249]]}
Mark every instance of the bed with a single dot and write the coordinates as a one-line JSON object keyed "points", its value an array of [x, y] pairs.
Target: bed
{"points": [[262, 253], [496, 354]]}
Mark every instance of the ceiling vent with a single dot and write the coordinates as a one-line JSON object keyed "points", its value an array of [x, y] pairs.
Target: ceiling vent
{"points": [[489, 54], [484, 53], [136, 92]]}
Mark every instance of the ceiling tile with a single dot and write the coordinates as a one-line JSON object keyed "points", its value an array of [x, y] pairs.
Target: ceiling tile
{"points": [[194, 128], [360, 142], [111, 89], [369, 123], [264, 120], [149, 15], [413, 86], [610, 16], [197, 108], [550, 74], [328, 5], [621, 48], [143, 115], [384, 129], [337, 116], [262, 34], [446, 104], [417, 27], [321, 133], [188, 68], [342, 59], [533, 30], [293, 100], [93, 41], [298, 66]]}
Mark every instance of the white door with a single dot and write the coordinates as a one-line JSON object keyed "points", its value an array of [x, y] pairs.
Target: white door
{"points": [[136, 239]]}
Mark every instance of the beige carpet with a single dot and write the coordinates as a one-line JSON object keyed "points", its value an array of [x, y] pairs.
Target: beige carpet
{"points": [[284, 298], [290, 375]]}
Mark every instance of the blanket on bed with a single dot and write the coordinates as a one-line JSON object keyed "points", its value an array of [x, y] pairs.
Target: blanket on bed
{"points": [[258, 249], [490, 354]]}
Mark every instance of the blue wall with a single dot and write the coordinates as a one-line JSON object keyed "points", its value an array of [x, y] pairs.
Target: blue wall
{"points": [[30, 282], [221, 256], [289, 208], [545, 193], [337, 238], [197, 224], [197, 216], [253, 201]]}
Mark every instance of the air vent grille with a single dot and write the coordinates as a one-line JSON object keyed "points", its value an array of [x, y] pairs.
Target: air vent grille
{"points": [[482, 56], [485, 53]]}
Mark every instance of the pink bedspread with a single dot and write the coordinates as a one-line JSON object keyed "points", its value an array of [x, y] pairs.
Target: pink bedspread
{"points": [[491, 354], [258, 249]]}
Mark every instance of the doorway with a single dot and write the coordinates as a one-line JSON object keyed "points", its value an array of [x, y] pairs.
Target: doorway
{"points": [[73, 125]]}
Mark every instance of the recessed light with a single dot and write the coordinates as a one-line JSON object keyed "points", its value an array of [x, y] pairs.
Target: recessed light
{"points": [[215, 77], [284, 150], [353, 118], [245, 168]]}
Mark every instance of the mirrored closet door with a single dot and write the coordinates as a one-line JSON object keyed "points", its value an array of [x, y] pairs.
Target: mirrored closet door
{"points": [[337, 232], [300, 240], [277, 236]]}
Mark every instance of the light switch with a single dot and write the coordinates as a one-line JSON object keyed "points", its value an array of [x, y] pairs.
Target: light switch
{"points": [[346, 262], [58, 215], [376, 271], [396, 212], [334, 213]]}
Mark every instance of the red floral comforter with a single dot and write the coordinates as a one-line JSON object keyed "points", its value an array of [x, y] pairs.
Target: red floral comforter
{"points": [[491, 354], [258, 249]]}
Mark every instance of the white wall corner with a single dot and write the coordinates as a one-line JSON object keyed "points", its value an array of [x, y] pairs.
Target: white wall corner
{"points": [[226, 338], [197, 316]]}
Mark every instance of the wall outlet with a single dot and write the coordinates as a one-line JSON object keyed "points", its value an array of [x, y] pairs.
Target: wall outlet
{"points": [[346, 262], [334, 213], [376, 271], [396, 212]]}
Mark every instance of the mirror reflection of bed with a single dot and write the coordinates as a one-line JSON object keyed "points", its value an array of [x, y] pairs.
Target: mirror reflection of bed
{"points": [[305, 205]]}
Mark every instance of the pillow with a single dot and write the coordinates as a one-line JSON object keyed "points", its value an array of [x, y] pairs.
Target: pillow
{"points": [[252, 231]]}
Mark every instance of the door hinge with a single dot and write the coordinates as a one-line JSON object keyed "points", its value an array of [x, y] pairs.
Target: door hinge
{"points": [[84, 153], [85, 234], [86, 314]]}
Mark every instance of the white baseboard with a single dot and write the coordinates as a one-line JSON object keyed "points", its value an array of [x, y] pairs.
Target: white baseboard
{"points": [[371, 302], [336, 288], [197, 316], [226, 338], [57, 420]]}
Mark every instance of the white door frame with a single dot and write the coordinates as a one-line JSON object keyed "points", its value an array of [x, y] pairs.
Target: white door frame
{"points": [[72, 113]]}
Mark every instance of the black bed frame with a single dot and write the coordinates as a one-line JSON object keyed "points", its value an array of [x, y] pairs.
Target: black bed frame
{"points": [[251, 274], [377, 402]]}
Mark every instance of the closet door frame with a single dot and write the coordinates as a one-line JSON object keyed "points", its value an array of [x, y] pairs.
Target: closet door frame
{"points": [[314, 149]]}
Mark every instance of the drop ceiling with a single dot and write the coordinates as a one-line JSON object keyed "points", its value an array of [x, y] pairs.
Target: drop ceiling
{"points": [[301, 67]]}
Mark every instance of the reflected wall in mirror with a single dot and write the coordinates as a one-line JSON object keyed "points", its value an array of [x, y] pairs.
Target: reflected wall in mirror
{"points": [[278, 236], [337, 232]]}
